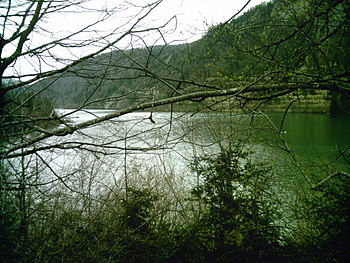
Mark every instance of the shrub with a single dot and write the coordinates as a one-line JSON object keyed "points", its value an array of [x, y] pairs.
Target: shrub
{"points": [[237, 221]]}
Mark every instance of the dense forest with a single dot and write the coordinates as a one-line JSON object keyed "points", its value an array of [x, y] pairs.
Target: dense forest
{"points": [[274, 43]]}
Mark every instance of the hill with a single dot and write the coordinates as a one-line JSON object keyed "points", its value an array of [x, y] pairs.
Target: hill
{"points": [[300, 44]]}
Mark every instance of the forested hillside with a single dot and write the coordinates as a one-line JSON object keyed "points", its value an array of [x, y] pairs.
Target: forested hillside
{"points": [[299, 43]]}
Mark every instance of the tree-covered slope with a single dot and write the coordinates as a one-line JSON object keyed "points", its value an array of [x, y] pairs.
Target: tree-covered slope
{"points": [[299, 44]]}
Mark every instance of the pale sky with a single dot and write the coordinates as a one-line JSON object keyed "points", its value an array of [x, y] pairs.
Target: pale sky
{"points": [[193, 18]]}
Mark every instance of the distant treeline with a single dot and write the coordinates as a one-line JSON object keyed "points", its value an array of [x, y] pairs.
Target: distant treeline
{"points": [[260, 44]]}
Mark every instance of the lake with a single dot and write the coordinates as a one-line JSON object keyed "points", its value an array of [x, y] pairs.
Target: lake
{"points": [[135, 150]]}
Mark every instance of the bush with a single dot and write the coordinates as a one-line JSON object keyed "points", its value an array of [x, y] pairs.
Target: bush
{"points": [[237, 219], [322, 233], [231, 216], [8, 226]]}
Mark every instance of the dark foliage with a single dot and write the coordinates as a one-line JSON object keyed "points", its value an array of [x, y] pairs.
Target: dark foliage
{"points": [[237, 222], [235, 219], [327, 216]]}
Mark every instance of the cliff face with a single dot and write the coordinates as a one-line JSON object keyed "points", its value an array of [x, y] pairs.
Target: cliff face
{"points": [[316, 102], [319, 101]]}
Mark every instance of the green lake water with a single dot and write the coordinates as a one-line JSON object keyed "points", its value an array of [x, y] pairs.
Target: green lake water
{"points": [[318, 138], [316, 130], [320, 142]]}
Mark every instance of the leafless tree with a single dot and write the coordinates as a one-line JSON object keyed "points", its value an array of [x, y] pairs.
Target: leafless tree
{"points": [[110, 44], [71, 53]]}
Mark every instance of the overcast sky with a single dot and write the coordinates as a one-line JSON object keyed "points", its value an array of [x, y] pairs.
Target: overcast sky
{"points": [[195, 16], [193, 19]]}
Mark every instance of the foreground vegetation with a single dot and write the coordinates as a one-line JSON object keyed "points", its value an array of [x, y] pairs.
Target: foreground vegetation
{"points": [[238, 209], [232, 214]]}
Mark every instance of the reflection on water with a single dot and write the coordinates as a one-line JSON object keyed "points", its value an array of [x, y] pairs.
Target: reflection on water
{"points": [[320, 130], [111, 149], [311, 136], [317, 139]]}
